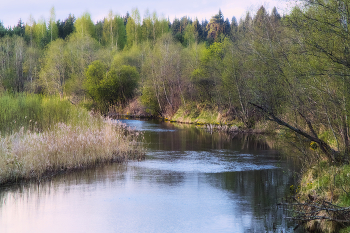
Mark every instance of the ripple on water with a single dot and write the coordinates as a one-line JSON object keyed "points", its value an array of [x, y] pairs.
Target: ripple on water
{"points": [[145, 126], [204, 162]]}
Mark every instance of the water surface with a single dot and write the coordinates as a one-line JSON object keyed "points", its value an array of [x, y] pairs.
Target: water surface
{"points": [[191, 181]]}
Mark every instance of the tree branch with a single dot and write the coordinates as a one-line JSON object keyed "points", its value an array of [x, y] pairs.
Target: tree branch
{"points": [[328, 151]]}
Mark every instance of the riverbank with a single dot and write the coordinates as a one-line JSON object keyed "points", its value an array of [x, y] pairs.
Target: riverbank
{"points": [[213, 119], [322, 198], [201, 115], [31, 155], [41, 137]]}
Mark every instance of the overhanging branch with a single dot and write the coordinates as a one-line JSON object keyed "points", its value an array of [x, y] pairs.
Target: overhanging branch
{"points": [[328, 151]]}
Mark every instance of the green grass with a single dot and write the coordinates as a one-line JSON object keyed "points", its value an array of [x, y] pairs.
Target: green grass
{"points": [[35, 112], [328, 182], [345, 230], [201, 114]]}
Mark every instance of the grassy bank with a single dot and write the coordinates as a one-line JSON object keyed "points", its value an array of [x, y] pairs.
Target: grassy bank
{"points": [[41, 136], [212, 118], [323, 190], [203, 114]]}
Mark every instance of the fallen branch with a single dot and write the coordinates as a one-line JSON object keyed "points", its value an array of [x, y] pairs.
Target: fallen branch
{"points": [[316, 209], [328, 151]]}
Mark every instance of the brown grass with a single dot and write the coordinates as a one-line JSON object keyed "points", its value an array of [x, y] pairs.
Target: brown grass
{"points": [[28, 155]]}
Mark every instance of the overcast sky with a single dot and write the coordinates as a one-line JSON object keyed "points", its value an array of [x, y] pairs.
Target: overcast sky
{"points": [[12, 11]]}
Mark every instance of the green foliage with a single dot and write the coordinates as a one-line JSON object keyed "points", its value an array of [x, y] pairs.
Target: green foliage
{"points": [[95, 73], [293, 68], [345, 230], [162, 75], [12, 57], [191, 57], [84, 25], [150, 101], [17, 112], [52, 27], [190, 35], [133, 28], [207, 78], [128, 78], [328, 182], [116, 86], [121, 32], [80, 52], [52, 76], [114, 34], [342, 181], [40, 33], [119, 85], [132, 56], [153, 27], [199, 114], [66, 27], [216, 27]]}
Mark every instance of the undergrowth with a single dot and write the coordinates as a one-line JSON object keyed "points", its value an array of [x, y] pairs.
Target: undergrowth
{"points": [[329, 183], [35, 112]]}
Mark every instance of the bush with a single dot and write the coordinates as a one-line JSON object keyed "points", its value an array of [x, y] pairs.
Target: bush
{"points": [[116, 86]]}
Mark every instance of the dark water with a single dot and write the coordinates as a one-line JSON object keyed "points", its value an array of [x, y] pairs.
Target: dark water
{"points": [[191, 181]]}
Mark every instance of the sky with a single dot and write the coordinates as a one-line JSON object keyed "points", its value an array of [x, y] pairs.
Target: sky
{"points": [[11, 12]]}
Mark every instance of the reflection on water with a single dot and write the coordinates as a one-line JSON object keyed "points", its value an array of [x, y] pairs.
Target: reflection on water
{"points": [[191, 181]]}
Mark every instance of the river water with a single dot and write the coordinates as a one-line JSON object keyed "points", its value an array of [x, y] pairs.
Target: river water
{"points": [[191, 181]]}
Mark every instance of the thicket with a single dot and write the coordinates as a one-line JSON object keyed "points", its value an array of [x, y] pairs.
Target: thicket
{"points": [[108, 88]]}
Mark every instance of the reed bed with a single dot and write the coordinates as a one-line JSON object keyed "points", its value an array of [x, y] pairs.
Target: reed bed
{"points": [[28, 155], [50, 136]]}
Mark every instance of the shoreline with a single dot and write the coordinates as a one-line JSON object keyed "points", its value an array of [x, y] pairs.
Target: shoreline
{"points": [[229, 128], [50, 174]]}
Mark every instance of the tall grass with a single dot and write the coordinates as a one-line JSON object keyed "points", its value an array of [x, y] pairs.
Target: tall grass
{"points": [[202, 113], [329, 182], [34, 112], [42, 136]]}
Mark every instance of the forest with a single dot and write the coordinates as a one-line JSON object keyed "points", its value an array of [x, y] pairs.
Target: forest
{"points": [[292, 70]]}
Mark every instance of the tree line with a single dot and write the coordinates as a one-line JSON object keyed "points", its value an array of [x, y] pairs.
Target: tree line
{"points": [[291, 69]]}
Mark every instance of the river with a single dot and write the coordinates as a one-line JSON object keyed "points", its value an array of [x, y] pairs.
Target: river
{"points": [[191, 181]]}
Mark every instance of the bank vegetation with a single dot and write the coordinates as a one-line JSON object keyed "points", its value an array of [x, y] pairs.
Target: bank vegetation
{"points": [[42, 136]]}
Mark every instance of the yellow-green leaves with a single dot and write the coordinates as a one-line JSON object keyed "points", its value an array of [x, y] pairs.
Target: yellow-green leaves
{"points": [[84, 25], [53, 73]]}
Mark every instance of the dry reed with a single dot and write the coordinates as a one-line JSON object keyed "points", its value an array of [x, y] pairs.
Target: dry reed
{"points": [[34, 154]]}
